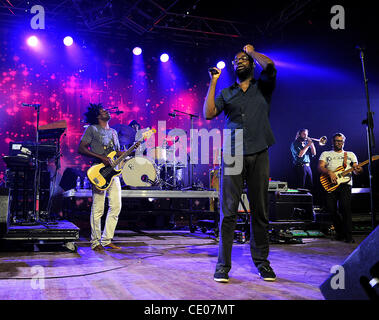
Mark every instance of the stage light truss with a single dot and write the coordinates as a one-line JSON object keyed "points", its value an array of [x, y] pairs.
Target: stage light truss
{"points": [[155, 18], [171, 19], [292, 11], [145, 17]]}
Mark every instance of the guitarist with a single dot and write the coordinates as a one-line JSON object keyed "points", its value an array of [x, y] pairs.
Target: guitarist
{"points": [[97, 141], [329, 161]]}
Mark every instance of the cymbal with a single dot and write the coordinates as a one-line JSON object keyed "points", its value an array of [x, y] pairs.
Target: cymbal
{"points": [[171, 138], [181, 130]]}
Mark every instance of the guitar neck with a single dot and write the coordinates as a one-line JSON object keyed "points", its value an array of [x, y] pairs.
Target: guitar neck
{"points": [[352, 169], [145, 136], [126, 153]]}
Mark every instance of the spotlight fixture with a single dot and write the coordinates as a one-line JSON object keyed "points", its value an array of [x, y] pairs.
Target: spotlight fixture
{"points": [[68, 41], [137, 51], [32, 41], [164, 57], [221, 65]]}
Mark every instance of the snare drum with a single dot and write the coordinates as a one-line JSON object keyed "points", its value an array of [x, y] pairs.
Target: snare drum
{"points": [[139, 172]]}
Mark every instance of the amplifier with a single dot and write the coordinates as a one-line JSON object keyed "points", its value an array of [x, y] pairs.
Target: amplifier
{"points": [[214, 182], [24, 179], [4, 211], [290, 206], [277, 186], [45, 150]]}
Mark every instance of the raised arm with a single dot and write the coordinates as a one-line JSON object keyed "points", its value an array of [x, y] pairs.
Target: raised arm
{"points": [[311, 145], [209, 108], [263, 60]]}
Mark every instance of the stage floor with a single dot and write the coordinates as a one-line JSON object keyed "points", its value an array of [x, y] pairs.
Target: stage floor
{"points": [[166, 265]]}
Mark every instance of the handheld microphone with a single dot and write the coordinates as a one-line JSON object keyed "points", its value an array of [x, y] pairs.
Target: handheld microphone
{"points": [[31, 105], [112, 111], [173, 114], [213, 71]]}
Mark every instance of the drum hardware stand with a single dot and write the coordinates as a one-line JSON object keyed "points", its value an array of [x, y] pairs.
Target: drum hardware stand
{"points": [[369, 122], [192, 185], [162, 182], [173, 177], [37, 166], [174, 166]]}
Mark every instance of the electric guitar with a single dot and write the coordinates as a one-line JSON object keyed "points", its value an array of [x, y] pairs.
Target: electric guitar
{"points": [[101, 175], [341, 174]]}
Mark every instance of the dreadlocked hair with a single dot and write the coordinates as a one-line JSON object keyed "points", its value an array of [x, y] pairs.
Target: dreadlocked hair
{"points": [[92, 113]]}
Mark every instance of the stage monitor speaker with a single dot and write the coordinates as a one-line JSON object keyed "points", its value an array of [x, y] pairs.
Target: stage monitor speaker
{"points": [[68, 180], [4, 211], [358, 277]]}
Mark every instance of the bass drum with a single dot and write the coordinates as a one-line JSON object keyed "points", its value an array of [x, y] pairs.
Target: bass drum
{"points": [[139, 172]]}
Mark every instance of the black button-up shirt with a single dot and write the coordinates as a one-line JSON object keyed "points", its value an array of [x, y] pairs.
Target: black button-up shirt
{"points": [[249, 111]]}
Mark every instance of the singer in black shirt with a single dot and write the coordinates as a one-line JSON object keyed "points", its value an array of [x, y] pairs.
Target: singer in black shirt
{"points": [[246, 106]]}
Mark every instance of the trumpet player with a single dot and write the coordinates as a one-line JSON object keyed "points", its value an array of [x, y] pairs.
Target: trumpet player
{"points": [[302, 149]]}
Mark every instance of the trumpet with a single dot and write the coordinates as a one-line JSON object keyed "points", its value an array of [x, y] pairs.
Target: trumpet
{"points": [[322, 141]]}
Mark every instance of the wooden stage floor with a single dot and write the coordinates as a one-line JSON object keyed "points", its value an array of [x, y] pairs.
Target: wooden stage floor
{"points": [[166, 265]]}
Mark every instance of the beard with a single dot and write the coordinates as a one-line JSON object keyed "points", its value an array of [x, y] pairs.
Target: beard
{"points": [[106, 117], [244, 73]]}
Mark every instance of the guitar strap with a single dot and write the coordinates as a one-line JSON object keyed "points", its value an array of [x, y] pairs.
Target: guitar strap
{"points": [[345, 160]]}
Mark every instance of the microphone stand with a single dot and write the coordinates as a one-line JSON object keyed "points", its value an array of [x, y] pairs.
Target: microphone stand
{"points": [[57, 167], [369, 122], [37, 169]]}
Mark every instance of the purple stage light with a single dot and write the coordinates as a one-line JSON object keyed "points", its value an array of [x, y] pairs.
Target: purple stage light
{"points": [[137, 51], [164, 57], [32, 41], [68, 41], [221, 65]]}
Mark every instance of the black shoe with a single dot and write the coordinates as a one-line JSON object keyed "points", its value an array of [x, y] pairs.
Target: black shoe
{"points": [[266, 273], [338, 237], [350, 241], [221, 277]]}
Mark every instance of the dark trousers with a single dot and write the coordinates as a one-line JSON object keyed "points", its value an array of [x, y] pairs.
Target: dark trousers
{"points": [[256, 172], [338, 203], [303, 175]]}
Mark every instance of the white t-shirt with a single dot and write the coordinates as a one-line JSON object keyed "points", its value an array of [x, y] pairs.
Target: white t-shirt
{"points": [[335, 159]]}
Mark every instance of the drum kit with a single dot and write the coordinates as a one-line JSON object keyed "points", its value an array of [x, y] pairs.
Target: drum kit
{"points": [[159, 168]]}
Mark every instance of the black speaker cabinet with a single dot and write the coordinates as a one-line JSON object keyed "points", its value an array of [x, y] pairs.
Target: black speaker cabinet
{"points": [[358, 277], [289, 206], [4, 211], [360, 200]]}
